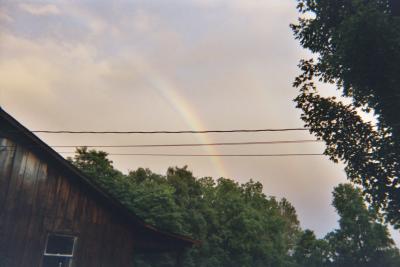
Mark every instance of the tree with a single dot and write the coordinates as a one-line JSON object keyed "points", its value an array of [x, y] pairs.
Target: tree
{"points": [[362, 240], [149, 199], [310, 251], [249, 229], [237, 223], [97, 166], [357, 43]]}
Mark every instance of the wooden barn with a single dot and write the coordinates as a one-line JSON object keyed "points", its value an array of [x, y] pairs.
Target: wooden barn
{"points": [[52, 215]]}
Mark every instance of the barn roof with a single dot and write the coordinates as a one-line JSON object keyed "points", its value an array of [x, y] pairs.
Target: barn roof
{"points": [[12, 129]]}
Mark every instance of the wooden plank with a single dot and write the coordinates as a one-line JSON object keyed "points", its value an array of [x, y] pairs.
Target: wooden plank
{"points": [[90, 210], [6, 147], [6, 161], [28, 194], [23, 208], [27, 190], [119, 249], [31, 255], [79, 216], [62, 199], [36, 233], [6, 164], [15, 223], [52, 205], [8, 235], [42, 240], [4, 152], [88, 248], [127, 246], [79, 253], [93, 211], [110, 231], [19, 229], [50, 190], [72, 203], [24, 227], [42, 188], [17, 173], [19, 211], [97, 239]]}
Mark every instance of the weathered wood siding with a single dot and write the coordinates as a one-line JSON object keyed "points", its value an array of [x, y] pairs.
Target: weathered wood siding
{"points": [[36, 199]]}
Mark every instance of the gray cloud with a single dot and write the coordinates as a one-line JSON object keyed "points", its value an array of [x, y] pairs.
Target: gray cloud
{"points": [[40, 9]]}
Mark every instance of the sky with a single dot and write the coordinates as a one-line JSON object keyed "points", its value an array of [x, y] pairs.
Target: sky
{"points": [[169, 65]]}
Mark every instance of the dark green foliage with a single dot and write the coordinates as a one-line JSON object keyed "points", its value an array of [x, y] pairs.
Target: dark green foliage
{"points": [[145, 193], [358, 47], [310, 251], [238, 224], [370, 154], [362, 239]]}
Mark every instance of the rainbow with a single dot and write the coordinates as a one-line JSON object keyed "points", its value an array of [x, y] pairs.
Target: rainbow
{"points": [[167, 90]]}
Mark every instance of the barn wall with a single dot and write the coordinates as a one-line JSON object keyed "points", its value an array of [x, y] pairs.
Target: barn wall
{"points": [[36, 199]]}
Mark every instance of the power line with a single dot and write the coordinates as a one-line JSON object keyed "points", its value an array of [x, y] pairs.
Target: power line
{"points": [[190, 144], [171, 132], [207, 155], [197, 155], [202, 144]]}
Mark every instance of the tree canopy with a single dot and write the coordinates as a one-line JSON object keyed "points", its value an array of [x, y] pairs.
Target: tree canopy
{"points": [[357, 47], [238, 224], [362, 240]]}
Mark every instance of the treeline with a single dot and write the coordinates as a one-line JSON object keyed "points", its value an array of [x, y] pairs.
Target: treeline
{"points": [[238, 224]]}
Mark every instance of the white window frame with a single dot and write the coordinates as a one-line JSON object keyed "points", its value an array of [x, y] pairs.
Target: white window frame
{"points": [[60, 255]]}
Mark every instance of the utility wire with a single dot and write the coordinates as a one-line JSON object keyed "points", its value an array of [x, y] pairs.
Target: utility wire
{"points": [[197, 155], [206, 155], [171, 132], [190, 144]]}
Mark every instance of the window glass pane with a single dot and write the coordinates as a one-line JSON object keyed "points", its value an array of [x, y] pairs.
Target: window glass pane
{"points": [[53, 261], [60, 244]]}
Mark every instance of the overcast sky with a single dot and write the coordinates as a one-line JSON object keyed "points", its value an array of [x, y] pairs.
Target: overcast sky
{"points": [[168, 65]]}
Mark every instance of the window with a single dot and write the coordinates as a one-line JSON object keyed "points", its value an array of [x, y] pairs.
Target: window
{"points": [[59, 250]]}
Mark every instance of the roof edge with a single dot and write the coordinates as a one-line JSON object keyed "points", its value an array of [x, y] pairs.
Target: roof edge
{"points": [[46, 149]]}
